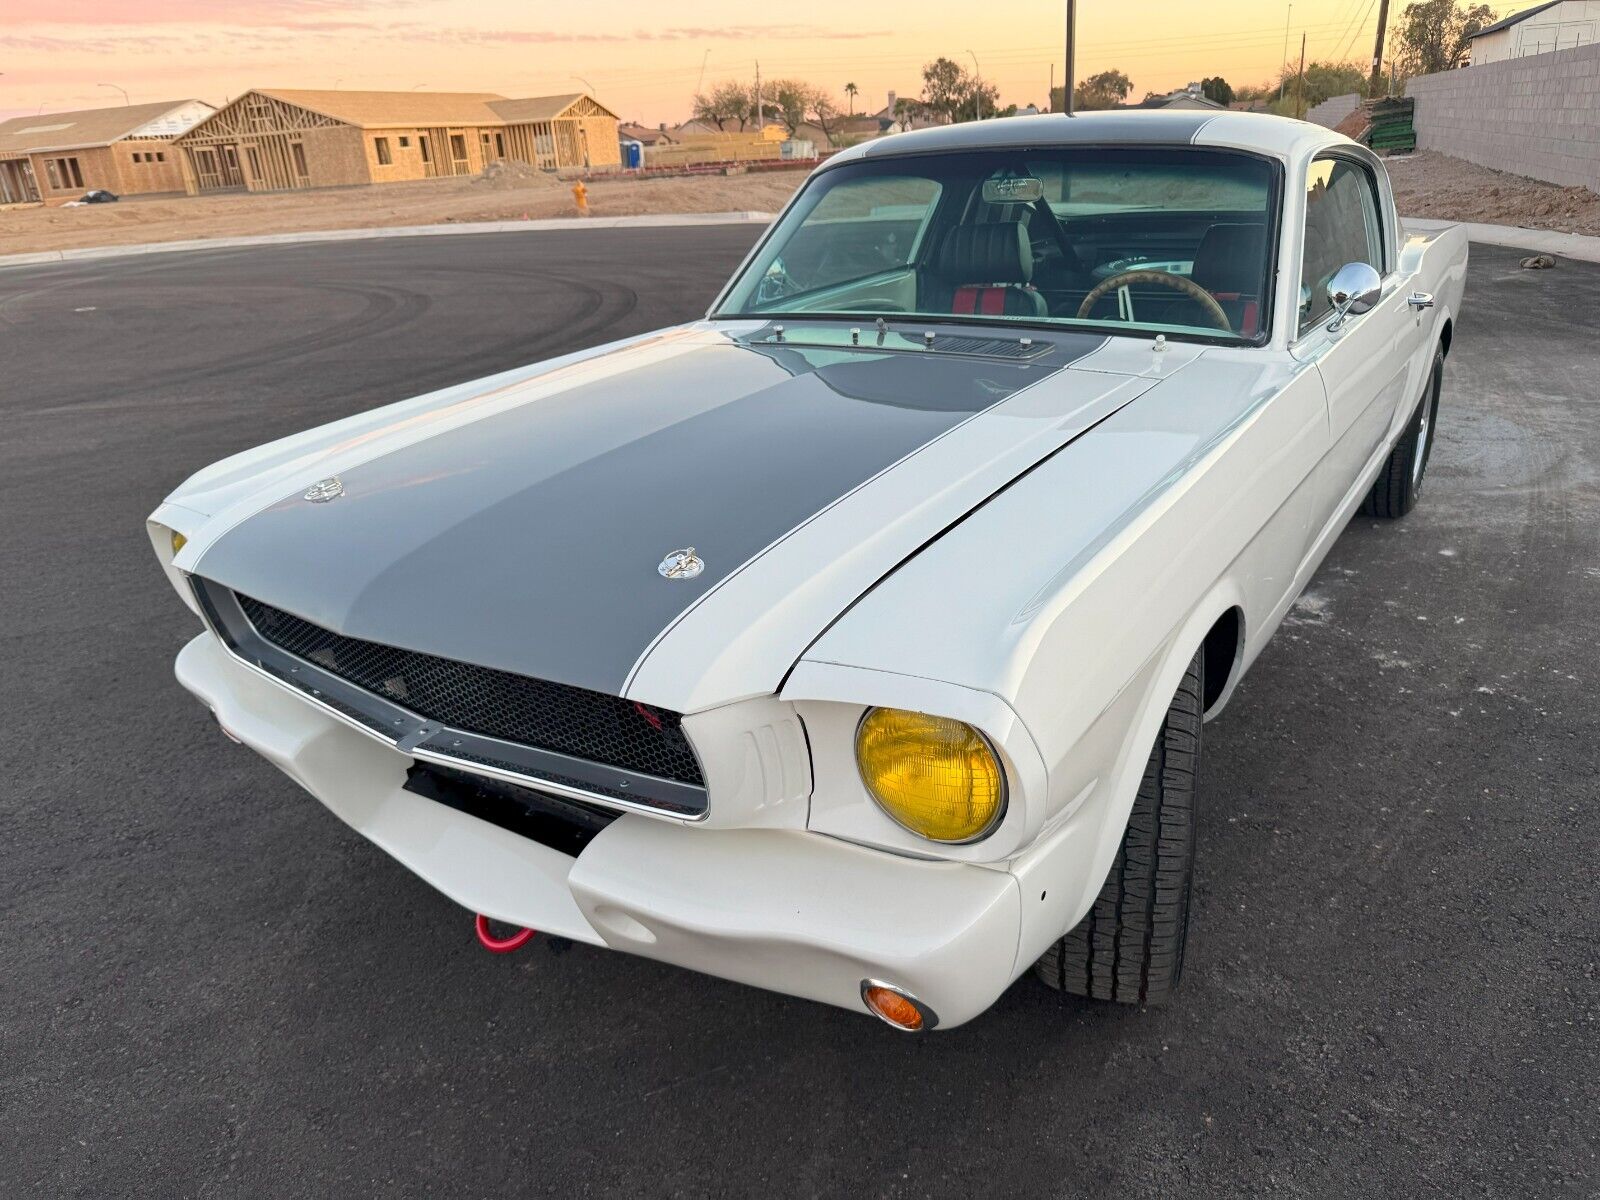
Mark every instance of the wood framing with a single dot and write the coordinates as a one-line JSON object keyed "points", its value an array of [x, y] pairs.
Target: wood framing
{"points": [[51, 158], [278, 140]]}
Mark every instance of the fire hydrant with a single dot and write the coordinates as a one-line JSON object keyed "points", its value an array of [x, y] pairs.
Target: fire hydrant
{"points": [[580, 195]]}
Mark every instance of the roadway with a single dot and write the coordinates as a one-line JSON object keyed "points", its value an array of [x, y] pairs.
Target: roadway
{"points": [[211, 985]]}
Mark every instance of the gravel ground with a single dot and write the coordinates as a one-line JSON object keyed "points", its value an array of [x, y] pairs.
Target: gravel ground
{"points": [[213, 987], [1430, 184], [425, 202]]}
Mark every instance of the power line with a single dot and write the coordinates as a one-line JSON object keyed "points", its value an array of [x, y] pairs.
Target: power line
{"points": [[1354, 33]]}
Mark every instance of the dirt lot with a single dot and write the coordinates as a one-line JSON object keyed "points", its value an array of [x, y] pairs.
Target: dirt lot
{"points": [[1427, 185], [427, 202], [1430, 184]]}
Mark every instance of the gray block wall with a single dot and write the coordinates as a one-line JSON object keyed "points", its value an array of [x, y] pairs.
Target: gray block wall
{"points": [[1333, 110], [1537, 116]]}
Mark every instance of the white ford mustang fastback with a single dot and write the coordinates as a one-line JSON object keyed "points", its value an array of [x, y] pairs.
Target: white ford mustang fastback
{"points": [[855, 640]]}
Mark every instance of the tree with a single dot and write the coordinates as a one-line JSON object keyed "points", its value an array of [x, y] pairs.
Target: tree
{"points": [[1433, 34], [1105, 90], [943, 86], [729, 105], [949, 91], [971, 109], [1323, 81], [825, 115], [1217, 91], [908, 109], [851, 91], [793, 100]]}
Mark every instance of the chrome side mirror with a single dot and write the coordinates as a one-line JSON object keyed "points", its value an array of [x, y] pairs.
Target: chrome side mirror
{"points": [[1355, 288]]}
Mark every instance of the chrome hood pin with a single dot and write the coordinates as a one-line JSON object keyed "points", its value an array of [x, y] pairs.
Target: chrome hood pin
{"points": [[681, 564], [324, 490]]}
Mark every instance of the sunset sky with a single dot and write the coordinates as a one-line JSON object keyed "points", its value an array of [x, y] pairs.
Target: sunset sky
{"points": [[643, 59]]}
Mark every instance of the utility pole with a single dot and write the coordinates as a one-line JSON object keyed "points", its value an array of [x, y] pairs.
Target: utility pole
{"points": [[1377, 47], [759, 125], [1072, 37], [1300, 84], [1283, 72], [977, 82]]}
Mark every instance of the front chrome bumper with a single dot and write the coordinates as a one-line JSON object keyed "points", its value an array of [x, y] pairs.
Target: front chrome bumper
{"points": [[788, 910]]}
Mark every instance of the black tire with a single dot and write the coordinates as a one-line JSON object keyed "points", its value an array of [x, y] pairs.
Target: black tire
{"points": [[1130, 946], [1399, 485]]}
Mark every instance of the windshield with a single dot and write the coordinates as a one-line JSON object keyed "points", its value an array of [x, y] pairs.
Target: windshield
{"points": [[1158, 239]]}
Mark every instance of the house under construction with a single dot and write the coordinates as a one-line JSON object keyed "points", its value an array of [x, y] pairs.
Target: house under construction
{"points": [[278, 139], [55, 157]]}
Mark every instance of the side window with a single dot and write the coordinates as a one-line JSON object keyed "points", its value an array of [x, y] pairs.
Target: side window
{"points": [[1342, 227]]}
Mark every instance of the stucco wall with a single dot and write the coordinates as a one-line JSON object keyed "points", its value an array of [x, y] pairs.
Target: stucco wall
{"points": [[1333, 110], [1537, 116]]}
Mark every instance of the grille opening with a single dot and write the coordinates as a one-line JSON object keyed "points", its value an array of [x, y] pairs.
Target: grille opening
{"points": [[562, 824], [498, 704]]}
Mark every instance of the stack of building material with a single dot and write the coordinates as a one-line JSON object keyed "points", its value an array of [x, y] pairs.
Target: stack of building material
{"points": [[1391, 131]]}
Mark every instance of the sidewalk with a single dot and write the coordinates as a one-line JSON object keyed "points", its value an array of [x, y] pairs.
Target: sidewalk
{"points": [[1539, 241]]}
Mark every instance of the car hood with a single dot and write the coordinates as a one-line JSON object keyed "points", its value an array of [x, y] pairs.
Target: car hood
{"points": [[522, 526]]}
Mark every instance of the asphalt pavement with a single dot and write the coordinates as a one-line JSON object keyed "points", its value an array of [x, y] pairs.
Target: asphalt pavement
{"points": [[208, 985]]}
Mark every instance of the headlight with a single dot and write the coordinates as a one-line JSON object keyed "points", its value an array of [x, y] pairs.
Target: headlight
{"points": [[178, 542], [937, 777]]}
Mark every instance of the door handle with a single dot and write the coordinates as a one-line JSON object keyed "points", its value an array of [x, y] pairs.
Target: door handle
{"points": [[1420, 300]]}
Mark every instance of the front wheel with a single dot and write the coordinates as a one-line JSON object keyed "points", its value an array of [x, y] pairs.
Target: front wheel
{"points": [[1130, 946], [1399, 485]]}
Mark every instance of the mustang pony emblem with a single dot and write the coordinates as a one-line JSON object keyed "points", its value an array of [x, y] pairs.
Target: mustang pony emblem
{"points": [[681, 564], [324, 490]]}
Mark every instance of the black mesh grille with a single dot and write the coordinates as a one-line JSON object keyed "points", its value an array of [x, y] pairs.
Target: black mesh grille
{"points": [[532, 712]]}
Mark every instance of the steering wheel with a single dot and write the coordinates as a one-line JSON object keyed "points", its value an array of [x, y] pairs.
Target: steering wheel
{"points": [[1178, 283]]}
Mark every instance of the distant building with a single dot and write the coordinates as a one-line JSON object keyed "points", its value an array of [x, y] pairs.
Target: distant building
{"points": [[280, 139], [643, 134], [898, 116], [55, 157], [1558, 25], [1184, 97]]}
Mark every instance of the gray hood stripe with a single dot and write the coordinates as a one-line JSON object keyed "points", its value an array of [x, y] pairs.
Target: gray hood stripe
{"points": [[529, 540]]}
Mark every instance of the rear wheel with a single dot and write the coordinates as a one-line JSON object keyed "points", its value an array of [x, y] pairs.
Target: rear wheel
{"points": [[1399, 485], [1130, 946]]}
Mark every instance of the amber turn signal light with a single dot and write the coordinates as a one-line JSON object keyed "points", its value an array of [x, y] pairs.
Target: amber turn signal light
{"points": [[895, 1007]]}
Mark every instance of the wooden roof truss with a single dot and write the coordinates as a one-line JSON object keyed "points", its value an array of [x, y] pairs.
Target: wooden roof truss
{"points": [[252, 115]]}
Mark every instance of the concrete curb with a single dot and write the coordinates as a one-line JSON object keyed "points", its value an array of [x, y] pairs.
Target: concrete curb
{"points": [[1539, 241], [648, 221]]}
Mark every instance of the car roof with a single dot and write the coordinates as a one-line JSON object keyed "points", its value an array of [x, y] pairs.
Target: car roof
{"points": [[1264, 133]]}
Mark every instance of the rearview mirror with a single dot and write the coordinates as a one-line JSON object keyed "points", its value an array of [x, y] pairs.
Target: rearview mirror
{"points": [[1355, 288], [1019, 189]]}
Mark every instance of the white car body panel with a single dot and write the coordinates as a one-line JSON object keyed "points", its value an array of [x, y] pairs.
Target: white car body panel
{"points": [[1045, 572]]}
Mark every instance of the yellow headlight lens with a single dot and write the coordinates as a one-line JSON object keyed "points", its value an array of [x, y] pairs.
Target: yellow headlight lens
{"points": [[178, 541], [935, 776]]}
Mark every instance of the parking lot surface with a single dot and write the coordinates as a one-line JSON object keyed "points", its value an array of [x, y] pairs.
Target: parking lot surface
{"points": [[209, 985]]}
